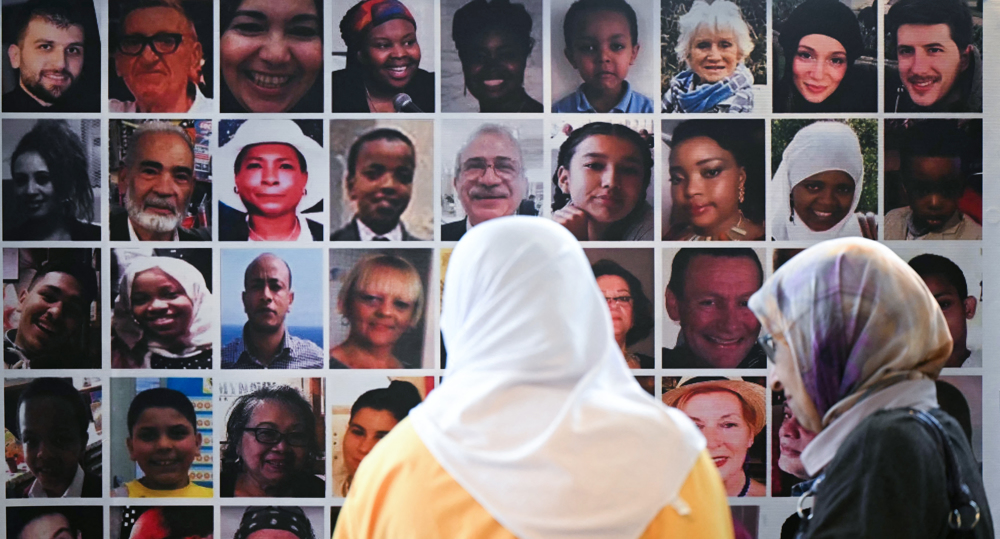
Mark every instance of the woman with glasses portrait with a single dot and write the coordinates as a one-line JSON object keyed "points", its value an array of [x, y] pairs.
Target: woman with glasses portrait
{"points": [[631, 310], [271, 446]]}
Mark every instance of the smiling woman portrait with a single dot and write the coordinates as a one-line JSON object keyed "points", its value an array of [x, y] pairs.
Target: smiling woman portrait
{"points": [[716, 175], [821, 42], [271, 56], [383, 60]]}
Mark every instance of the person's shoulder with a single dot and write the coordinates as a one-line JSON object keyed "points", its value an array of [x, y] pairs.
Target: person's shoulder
{"points": [[348, 232], [81, 231], [91, 486], [194, 234], [304, 349], [567, 103], [232, 224], [114, 105], [194, 490], [453, 231], [307, 486], [407, 236], [887, 435], [231, 352], [640, 103]]}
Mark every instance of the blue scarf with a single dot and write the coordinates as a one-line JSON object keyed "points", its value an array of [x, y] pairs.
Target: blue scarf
{"points": [[703, 98]]}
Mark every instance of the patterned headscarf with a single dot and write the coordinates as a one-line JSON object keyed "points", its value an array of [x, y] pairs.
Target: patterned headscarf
{"points": [[369, 14], [290, 519], [857, 319]]}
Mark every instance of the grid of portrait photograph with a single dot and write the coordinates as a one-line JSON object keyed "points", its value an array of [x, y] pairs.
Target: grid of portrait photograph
{"points": [[226, 225]]}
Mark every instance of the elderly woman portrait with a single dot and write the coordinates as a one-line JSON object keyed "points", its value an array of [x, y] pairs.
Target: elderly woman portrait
{"points": [[383, 60], [821, 42], [373, 415], [164, 316], [271, 162], [730, 413], [818, 186], [50, 196], [381, 300], [271, 56], [271, 449], [494, 44], [857, 342], [601, 183], [713, 43], [715, 175], [630, 308]]}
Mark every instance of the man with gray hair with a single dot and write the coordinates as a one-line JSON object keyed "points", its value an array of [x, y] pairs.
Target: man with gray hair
{"points": [[489, 179], [157, 180]]}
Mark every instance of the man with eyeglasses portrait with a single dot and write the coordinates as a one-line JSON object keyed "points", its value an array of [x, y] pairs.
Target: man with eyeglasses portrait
{"points": [[933, 166], [489, 179], [160, 59]]}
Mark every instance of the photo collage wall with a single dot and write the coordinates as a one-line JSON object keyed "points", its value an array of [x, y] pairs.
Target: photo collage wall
{"points": [[194, 191]]}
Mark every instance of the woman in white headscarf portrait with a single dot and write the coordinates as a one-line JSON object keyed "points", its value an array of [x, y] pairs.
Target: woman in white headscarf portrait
{"points": [[163, 318], [818, 186], [271, 162], [516, 440], [857, 341]]}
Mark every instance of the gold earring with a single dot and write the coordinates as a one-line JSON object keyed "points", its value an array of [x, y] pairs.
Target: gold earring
{"points": [[743, 193]]}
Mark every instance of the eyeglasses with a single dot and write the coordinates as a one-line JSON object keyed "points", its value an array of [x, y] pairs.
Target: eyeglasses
{"points": [[475, 168], [766, 341], [162, 43], [274, 437], [618, 301]]}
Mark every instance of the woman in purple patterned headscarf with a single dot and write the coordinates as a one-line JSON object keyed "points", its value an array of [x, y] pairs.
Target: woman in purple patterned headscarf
{"points": [[857, 341]]}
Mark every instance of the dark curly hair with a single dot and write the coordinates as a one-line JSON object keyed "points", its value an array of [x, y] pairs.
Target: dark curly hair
{"points": [[64, 155], [642, 308]]}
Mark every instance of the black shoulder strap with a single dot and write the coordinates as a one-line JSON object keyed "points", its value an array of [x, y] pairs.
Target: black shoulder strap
{"points": [[964, 511]]}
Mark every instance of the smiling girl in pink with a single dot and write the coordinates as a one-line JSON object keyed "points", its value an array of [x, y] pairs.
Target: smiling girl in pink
{"points": [[163, 317]]}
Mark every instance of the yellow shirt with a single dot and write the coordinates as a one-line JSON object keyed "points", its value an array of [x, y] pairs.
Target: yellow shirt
{"points": [[138, 490], [406, 493]]}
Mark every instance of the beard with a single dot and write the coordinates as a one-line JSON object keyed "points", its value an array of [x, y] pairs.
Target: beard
{"points": [[149, 221], [33, 83]]}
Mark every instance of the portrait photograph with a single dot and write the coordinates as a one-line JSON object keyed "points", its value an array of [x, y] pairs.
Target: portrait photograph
{"points": [[582, 82], [287, 521], [160, 180], [934, 56], [53, 56], [161, 522], [380, 309], [602, 179], [78, 521], [271, 59], [163, 310], [824, 56], [824, 179], [274, 440], [365, 406], [788, 440], [381, 180], [625, 277], [265, 324], [933, 179], [51, 308], [713, 188], [473, 189], [731, 414], [176, 73], [707, 323], [172, 412], [278, 184], [713, 56], [954, 275], [51, 180], [366, 77], [53, 428], [491, 56]]}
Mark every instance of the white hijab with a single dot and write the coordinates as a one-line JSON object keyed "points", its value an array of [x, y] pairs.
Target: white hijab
{"points": [[199, 336], [818, 147], [538, 417]]}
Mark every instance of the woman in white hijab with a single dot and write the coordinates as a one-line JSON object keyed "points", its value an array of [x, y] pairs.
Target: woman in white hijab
{"points": [[163, 317], [817, 188], [539, 430], [857, 341]]}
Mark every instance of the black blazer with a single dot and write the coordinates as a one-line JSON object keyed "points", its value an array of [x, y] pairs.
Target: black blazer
{"points": [[118, 227], [350, 233], [454, 231]]}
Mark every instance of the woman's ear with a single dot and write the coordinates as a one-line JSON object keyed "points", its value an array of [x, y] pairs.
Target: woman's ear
{"points": [[562, 178]]}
